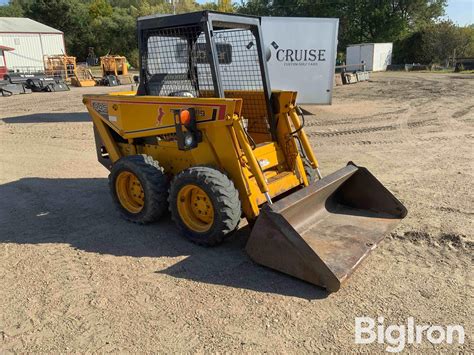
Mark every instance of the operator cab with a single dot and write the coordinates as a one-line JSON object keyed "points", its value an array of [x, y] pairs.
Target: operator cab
{"points": [[208, 54]]}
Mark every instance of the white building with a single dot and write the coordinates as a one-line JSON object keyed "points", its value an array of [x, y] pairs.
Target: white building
{"points": [[376, 56], [29, 41]]}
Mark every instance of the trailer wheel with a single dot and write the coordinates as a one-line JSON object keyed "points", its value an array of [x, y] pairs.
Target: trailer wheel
{"points": [[310, 172], [139, 188], [204, 204]]}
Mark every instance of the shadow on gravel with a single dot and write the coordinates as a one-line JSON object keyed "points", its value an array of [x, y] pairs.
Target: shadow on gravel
{"points": [[49, 118], [80, 212]]}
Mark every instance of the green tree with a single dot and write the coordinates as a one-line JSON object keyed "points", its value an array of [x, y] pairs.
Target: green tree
{"points": [[54, 13], [183, 6], [359, 20], [79, 34], [466, 43], [15, 8], [100, 8], [11, 10], [436, 43], [114, 34], [148, 7]]}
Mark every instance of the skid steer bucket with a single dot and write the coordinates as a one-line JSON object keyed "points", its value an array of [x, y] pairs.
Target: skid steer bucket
{"points": [[321, 233]]}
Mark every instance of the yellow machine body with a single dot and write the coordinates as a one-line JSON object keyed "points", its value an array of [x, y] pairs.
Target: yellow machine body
{"points": [[272, 166], [206, 137]]}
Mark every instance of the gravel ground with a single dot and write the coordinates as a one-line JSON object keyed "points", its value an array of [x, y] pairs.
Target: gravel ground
{"points": [[76, 278]]}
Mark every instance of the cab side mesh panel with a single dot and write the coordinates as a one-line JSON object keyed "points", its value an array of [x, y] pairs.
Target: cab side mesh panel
{"points": [[242, 76], [176, 61]]}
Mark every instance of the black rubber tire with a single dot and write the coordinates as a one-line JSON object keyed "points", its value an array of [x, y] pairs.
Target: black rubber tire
{"points": [[224, 197], [310, 172], [155, 186]]}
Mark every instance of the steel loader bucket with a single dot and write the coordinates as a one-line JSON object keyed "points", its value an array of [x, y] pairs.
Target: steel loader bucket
{"points": [[321, 233]]}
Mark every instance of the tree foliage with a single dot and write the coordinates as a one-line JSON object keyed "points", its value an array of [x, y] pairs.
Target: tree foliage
{"points": [[360, 21], [100, 8], [413, 25], [436, 43], [14, 9], [110, 25]]}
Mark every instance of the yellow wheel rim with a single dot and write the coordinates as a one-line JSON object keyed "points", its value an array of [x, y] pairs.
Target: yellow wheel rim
{"points": [[130, 192], [195, 208]]}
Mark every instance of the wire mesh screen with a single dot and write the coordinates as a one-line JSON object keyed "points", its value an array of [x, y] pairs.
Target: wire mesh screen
{"points": [[242, 76], [176, 62]]}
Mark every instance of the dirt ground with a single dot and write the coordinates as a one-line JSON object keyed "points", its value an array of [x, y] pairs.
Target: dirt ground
{"points": [[76, 278]]}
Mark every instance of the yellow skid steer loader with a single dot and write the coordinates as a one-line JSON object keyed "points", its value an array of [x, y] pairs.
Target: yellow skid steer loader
{"points": [[205, 137]]}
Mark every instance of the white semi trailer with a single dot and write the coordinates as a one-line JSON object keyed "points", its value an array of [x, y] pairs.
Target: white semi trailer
{"points": [[302, 55], [375, 56]]}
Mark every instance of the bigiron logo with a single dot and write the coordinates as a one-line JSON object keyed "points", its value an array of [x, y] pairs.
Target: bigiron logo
{"points": [[397, 336], [300, 57]]}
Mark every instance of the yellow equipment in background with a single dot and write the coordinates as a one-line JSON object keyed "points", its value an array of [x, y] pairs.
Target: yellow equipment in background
{"points": [[60, 66], [115, 65], [83, 77], [207, 138]]}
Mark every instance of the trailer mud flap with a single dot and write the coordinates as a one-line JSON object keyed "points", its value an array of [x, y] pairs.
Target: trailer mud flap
{"points": [[321, 233]]}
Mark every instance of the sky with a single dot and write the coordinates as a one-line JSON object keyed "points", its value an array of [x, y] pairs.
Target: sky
{"points": [[459, 11]]}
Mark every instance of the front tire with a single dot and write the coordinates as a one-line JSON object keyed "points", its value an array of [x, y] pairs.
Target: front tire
{"points": [[310, 172], [139, 188], [204, 204]]}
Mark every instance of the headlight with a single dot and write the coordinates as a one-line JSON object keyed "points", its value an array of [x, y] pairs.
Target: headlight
{"points": [[189, 140]]}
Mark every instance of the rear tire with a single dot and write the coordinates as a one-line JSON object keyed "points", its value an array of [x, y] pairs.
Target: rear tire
{"points": [[139, 188], [204, 204]]}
